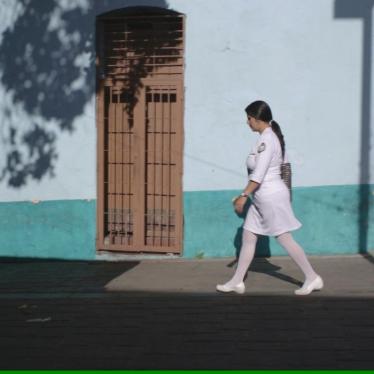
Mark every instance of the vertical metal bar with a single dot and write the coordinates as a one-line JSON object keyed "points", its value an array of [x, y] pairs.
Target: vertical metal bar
{"points": [[139, 172], [127, 167], [169, 171], [162, 167], [111, 142], [154, 166], [126, 172], [115, 172], [149, 166], [146, 167], [173, 166], [130, 228], [121, 171], [105, 162], [159, 167], [119, 181], [123, 175], [126, 175]]}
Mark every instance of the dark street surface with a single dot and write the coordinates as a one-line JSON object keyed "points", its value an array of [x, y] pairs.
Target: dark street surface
{"points": [[138, 315]]}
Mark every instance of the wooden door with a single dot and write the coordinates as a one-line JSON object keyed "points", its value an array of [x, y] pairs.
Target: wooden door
{"points": [[140, 67], [140, 170]]}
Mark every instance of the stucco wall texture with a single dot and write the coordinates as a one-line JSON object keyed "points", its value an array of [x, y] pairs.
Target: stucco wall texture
{"points": [[310, 60]]}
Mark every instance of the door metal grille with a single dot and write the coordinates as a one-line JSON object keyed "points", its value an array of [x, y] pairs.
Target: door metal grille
{"points": [[141, 47], [161, 165], [140, 133], [119, 162]]}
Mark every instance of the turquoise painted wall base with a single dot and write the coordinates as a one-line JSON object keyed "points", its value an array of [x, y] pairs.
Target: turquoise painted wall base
{"points": [[62, 229], [336, 220]]}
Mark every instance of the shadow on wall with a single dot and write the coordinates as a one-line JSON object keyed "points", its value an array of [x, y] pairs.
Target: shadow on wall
{"points": [[47, 68], [149, 44], [362, 9]]}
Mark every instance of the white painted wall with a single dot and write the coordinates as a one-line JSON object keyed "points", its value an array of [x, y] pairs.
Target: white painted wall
{"points": [[294, 54]]}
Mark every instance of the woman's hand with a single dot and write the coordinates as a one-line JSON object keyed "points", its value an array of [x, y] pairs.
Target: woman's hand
{"points": [[239, 203]]}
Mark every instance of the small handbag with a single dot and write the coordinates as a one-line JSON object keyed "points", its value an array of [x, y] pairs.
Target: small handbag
{"points": [[286, 175]]}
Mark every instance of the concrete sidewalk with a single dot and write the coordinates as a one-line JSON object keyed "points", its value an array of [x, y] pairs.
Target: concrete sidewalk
{"points": [[166, 314], [343, 276]]}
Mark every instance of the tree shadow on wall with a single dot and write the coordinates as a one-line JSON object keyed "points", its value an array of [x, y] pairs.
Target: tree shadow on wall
{"points": [[47, 69], [136, 43]]}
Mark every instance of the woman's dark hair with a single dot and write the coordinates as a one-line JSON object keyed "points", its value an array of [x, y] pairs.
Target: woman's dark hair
{"points": [[261, 110]]}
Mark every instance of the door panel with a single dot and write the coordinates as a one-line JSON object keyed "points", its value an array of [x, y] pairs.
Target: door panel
{"points": [[142, 163]]}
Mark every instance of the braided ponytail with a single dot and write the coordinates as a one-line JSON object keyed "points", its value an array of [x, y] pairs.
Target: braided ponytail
{"points": [[278, 132]]}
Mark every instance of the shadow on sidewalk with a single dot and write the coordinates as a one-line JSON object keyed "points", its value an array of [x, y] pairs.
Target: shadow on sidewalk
{"points": [[48, 275], [261, 263], [262, 253], [368, 257]]}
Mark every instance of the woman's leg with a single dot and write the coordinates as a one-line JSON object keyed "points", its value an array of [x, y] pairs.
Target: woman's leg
{"points": [[247, 252], [298, 255]]}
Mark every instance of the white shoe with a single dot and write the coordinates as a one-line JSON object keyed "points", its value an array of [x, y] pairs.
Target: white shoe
{"points": [[239, 288], [306, 289]]}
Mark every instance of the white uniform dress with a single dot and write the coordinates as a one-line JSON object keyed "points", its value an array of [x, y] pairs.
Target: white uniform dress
{"points": [[270, 213]]}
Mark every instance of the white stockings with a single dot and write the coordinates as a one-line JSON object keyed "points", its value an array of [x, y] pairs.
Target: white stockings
{"points": [[286, 241], [247, 252], [298, 255]]}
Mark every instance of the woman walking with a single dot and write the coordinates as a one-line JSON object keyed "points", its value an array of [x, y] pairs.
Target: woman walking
{"points": [[270, 212]]}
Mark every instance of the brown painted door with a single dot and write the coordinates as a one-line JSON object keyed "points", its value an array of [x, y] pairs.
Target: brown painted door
{"points": [[140, 65], [140, 163]]}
